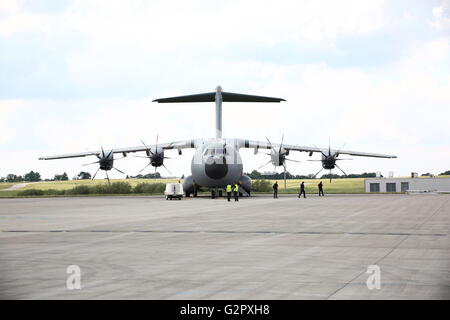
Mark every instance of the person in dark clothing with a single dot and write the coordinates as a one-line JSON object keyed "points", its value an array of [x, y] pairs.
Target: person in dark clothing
{"points": [[302, 190], [275, 190], [321, 189]]}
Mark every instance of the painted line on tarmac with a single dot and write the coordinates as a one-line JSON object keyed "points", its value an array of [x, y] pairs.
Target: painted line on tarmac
{"points": [[231, 232]]}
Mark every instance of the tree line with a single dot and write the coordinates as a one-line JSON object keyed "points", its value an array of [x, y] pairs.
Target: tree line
{"points": [[33, 176], [36, 176], [277, 176]]}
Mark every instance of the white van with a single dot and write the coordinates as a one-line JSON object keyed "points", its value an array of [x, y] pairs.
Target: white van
{"points": [[174, 190]]}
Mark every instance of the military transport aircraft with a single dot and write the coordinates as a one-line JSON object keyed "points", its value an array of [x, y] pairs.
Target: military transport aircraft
{"points": [[217, 162]]}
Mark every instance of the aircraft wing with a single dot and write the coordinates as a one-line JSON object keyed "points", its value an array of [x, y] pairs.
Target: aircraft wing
{"points": [[267, 145], [167, 146]]}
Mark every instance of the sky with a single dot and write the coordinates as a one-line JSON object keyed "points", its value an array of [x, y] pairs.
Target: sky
{"points": [[79, 74]]}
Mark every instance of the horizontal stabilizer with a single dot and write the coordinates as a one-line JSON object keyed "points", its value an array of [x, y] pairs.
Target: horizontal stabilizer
{"points": [[202, 97], [226, 97], [237, 97]]}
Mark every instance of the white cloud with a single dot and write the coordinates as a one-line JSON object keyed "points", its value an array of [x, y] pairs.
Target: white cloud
{"points": [[7, 130], [431, 56], [441, 16], [171, 24], [400, 107], [399, 111], [8, 7], [13, 19]]}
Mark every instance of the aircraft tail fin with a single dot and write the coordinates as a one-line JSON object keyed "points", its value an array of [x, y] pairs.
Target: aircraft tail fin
{"points": [[218, 97]]}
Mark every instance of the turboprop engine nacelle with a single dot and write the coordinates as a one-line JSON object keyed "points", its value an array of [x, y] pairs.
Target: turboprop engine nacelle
{"points": [[106, 160], [156, 158], [278, 158], [329, 161]]}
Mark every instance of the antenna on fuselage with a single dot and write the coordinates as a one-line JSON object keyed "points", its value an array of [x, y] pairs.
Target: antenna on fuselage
{"points": [[218, 97]]}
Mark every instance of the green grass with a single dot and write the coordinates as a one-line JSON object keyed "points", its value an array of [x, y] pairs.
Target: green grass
{"points": [[65, 185], [355, 185], [5, 185], [115, 188], [8, 194], [64, 188]]}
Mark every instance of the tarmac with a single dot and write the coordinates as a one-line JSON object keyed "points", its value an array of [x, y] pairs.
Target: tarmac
{"points": [[257, 248]]}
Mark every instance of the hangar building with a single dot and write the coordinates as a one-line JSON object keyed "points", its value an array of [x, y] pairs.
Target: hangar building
{"points": [[407, 184]]}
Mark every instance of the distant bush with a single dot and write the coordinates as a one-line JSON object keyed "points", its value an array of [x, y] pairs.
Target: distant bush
{"points": [[99, 189], [113, 188], [119, 188], [54, 192], [261, 186], [78, 190], [149, 188], [31, 192]]}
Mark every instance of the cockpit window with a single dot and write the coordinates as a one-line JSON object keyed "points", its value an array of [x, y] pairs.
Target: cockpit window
{"points": [[214, 152]]}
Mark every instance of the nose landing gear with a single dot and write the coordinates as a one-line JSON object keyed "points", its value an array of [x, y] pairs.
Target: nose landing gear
{"points": [[216, 192]]}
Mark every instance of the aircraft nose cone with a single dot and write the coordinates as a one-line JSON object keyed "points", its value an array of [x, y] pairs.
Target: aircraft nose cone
{"points": [[216, 168]]}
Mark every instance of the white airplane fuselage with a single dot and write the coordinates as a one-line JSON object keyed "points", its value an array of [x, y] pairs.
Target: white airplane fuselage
{"points": [[216, 163]]}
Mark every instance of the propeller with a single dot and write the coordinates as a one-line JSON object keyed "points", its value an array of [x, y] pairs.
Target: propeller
{"points": [[156, 157], [278, 157], [329, 160], [106, 163]]}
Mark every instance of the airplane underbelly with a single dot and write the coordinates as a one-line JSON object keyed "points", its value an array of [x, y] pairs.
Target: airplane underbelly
{"points": [[219, 177]]}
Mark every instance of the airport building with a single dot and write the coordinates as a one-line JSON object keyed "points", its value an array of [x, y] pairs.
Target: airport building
{"points": [[407, 184]]}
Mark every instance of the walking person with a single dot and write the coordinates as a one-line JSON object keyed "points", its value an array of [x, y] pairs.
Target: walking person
{"points": [[320, 185], [275, 190], [236, 192], [229, 189], [302, 190]]}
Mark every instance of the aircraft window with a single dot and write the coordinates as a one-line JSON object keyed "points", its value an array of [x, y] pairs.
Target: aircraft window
{"points": [[213, 152]]}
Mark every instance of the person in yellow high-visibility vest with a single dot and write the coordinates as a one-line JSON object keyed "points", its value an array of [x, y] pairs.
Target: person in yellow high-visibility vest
{"points": [[236, 192], [229, 189]]}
